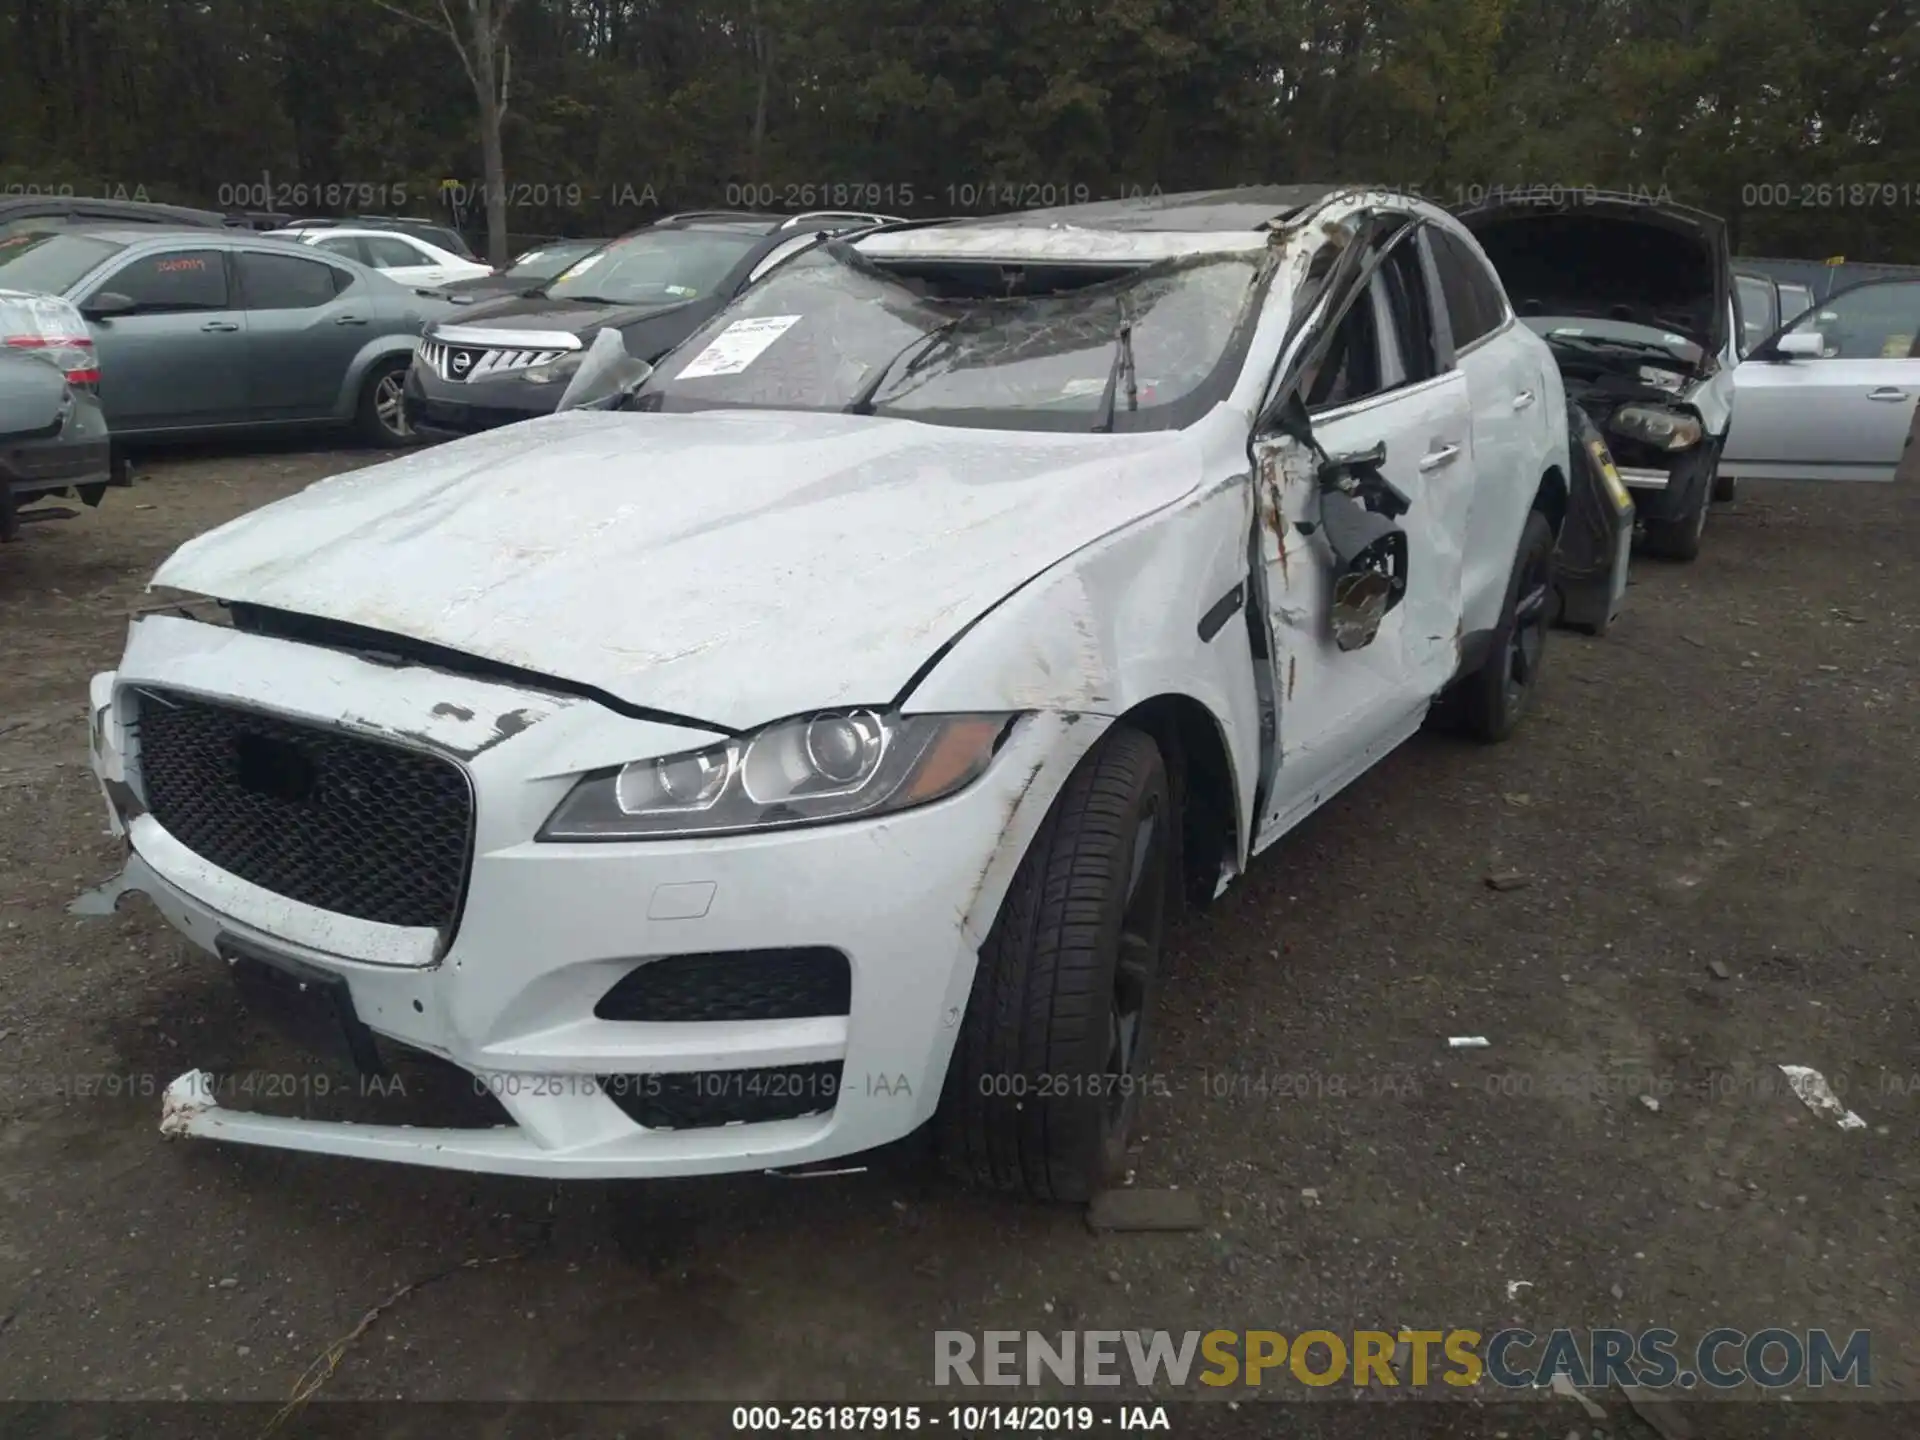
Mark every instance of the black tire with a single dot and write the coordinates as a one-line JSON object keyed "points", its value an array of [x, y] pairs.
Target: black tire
{"points": [[1679, 538], [1489, 703], [381, 419], [1047, 1071]]}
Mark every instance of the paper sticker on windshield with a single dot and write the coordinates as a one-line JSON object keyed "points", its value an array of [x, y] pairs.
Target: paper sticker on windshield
{"points": [[738, 346], [682, 292]]}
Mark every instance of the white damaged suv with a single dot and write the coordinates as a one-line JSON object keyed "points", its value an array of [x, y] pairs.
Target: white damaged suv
{"points": [[812, 738]]}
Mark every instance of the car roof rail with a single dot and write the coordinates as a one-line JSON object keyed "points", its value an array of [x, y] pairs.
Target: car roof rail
{"points": [[892, 223], [714, 215], [869, 216]]}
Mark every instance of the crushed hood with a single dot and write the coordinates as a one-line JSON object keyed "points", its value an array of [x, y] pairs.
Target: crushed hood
{"points": [[733, 567], [1665, 266]]}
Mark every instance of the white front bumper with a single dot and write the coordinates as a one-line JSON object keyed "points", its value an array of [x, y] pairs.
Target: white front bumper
{"points": [[546, 929]]}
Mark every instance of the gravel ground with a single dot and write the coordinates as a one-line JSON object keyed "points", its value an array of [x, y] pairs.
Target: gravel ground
{"points": [[1713, 814]]}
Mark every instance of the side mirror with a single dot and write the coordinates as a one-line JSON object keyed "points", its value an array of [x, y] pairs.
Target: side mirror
{"points": [[1335, 469], [1799, 344], [1357, 477], [107, 304]]}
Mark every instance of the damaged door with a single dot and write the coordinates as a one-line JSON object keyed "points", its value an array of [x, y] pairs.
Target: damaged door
{"points": [[1365, 488], [1831, 397]]}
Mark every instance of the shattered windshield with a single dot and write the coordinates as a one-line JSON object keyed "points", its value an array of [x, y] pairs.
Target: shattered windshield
{"points": [[1139, 349]]}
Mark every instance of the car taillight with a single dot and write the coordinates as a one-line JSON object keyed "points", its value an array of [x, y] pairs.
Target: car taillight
{"points": [[72, 353]]}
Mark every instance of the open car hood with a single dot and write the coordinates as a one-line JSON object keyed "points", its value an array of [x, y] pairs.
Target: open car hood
{"points": [[733, 567], [1611, 257]]}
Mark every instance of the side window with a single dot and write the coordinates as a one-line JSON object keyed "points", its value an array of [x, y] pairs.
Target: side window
{"points": [[1875, 322], [1387, 339], [287, 282], [347, 245], [1757, 317], [1476, 305], [1350, 370], [179, 280], [1405, 283], [386, 252], [1490, 296]]}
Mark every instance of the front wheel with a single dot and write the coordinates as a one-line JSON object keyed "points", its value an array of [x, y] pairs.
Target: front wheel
{"points": [[382, 418], [1679, 538], [1048, 1072]]}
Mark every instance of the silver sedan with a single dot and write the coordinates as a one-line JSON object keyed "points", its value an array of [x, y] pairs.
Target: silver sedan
{"points": [[200, 331]]}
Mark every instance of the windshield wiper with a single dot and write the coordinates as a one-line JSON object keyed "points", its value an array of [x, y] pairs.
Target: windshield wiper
{"points": [[1122, 365], [922, 349]]}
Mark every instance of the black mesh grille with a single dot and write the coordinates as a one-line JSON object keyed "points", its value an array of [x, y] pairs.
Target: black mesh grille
{"points": [[733, 985], [703, 1099], [322, 816]]}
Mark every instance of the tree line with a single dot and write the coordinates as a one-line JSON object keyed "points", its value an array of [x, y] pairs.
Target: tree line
{"points": [[1796, 120]]}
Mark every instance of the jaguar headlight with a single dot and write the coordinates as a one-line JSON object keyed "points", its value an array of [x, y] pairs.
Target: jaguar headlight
{"points": [[554, 370], [1662, 429], [834, 765]]}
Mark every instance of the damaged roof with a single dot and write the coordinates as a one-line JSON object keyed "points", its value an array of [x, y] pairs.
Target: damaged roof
{"points": [[1247, 207], [1142, 229]]}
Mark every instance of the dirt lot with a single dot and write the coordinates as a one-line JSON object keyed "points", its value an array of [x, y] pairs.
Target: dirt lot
{"points": [[1726, 783]]}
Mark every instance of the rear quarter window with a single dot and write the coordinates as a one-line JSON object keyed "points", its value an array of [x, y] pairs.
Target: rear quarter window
{"points": [[1475, 302], [287, 282]]}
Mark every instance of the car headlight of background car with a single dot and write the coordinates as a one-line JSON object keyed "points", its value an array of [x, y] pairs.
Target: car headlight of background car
{"points": [[835, 765], [553, 370], [1662, 429]]}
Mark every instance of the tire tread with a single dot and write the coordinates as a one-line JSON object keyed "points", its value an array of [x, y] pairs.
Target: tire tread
{"points": [[1038, 992]]}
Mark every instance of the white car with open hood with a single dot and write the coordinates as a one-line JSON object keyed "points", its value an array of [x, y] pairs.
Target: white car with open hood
{"points": [[811, 738]]}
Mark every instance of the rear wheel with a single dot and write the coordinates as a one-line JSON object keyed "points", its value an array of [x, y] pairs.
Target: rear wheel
{"points": [[1488, 704], [382, 418], [1048, 1072]]}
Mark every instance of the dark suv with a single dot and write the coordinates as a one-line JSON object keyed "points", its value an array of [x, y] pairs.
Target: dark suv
{"points": [[505, 360]]}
